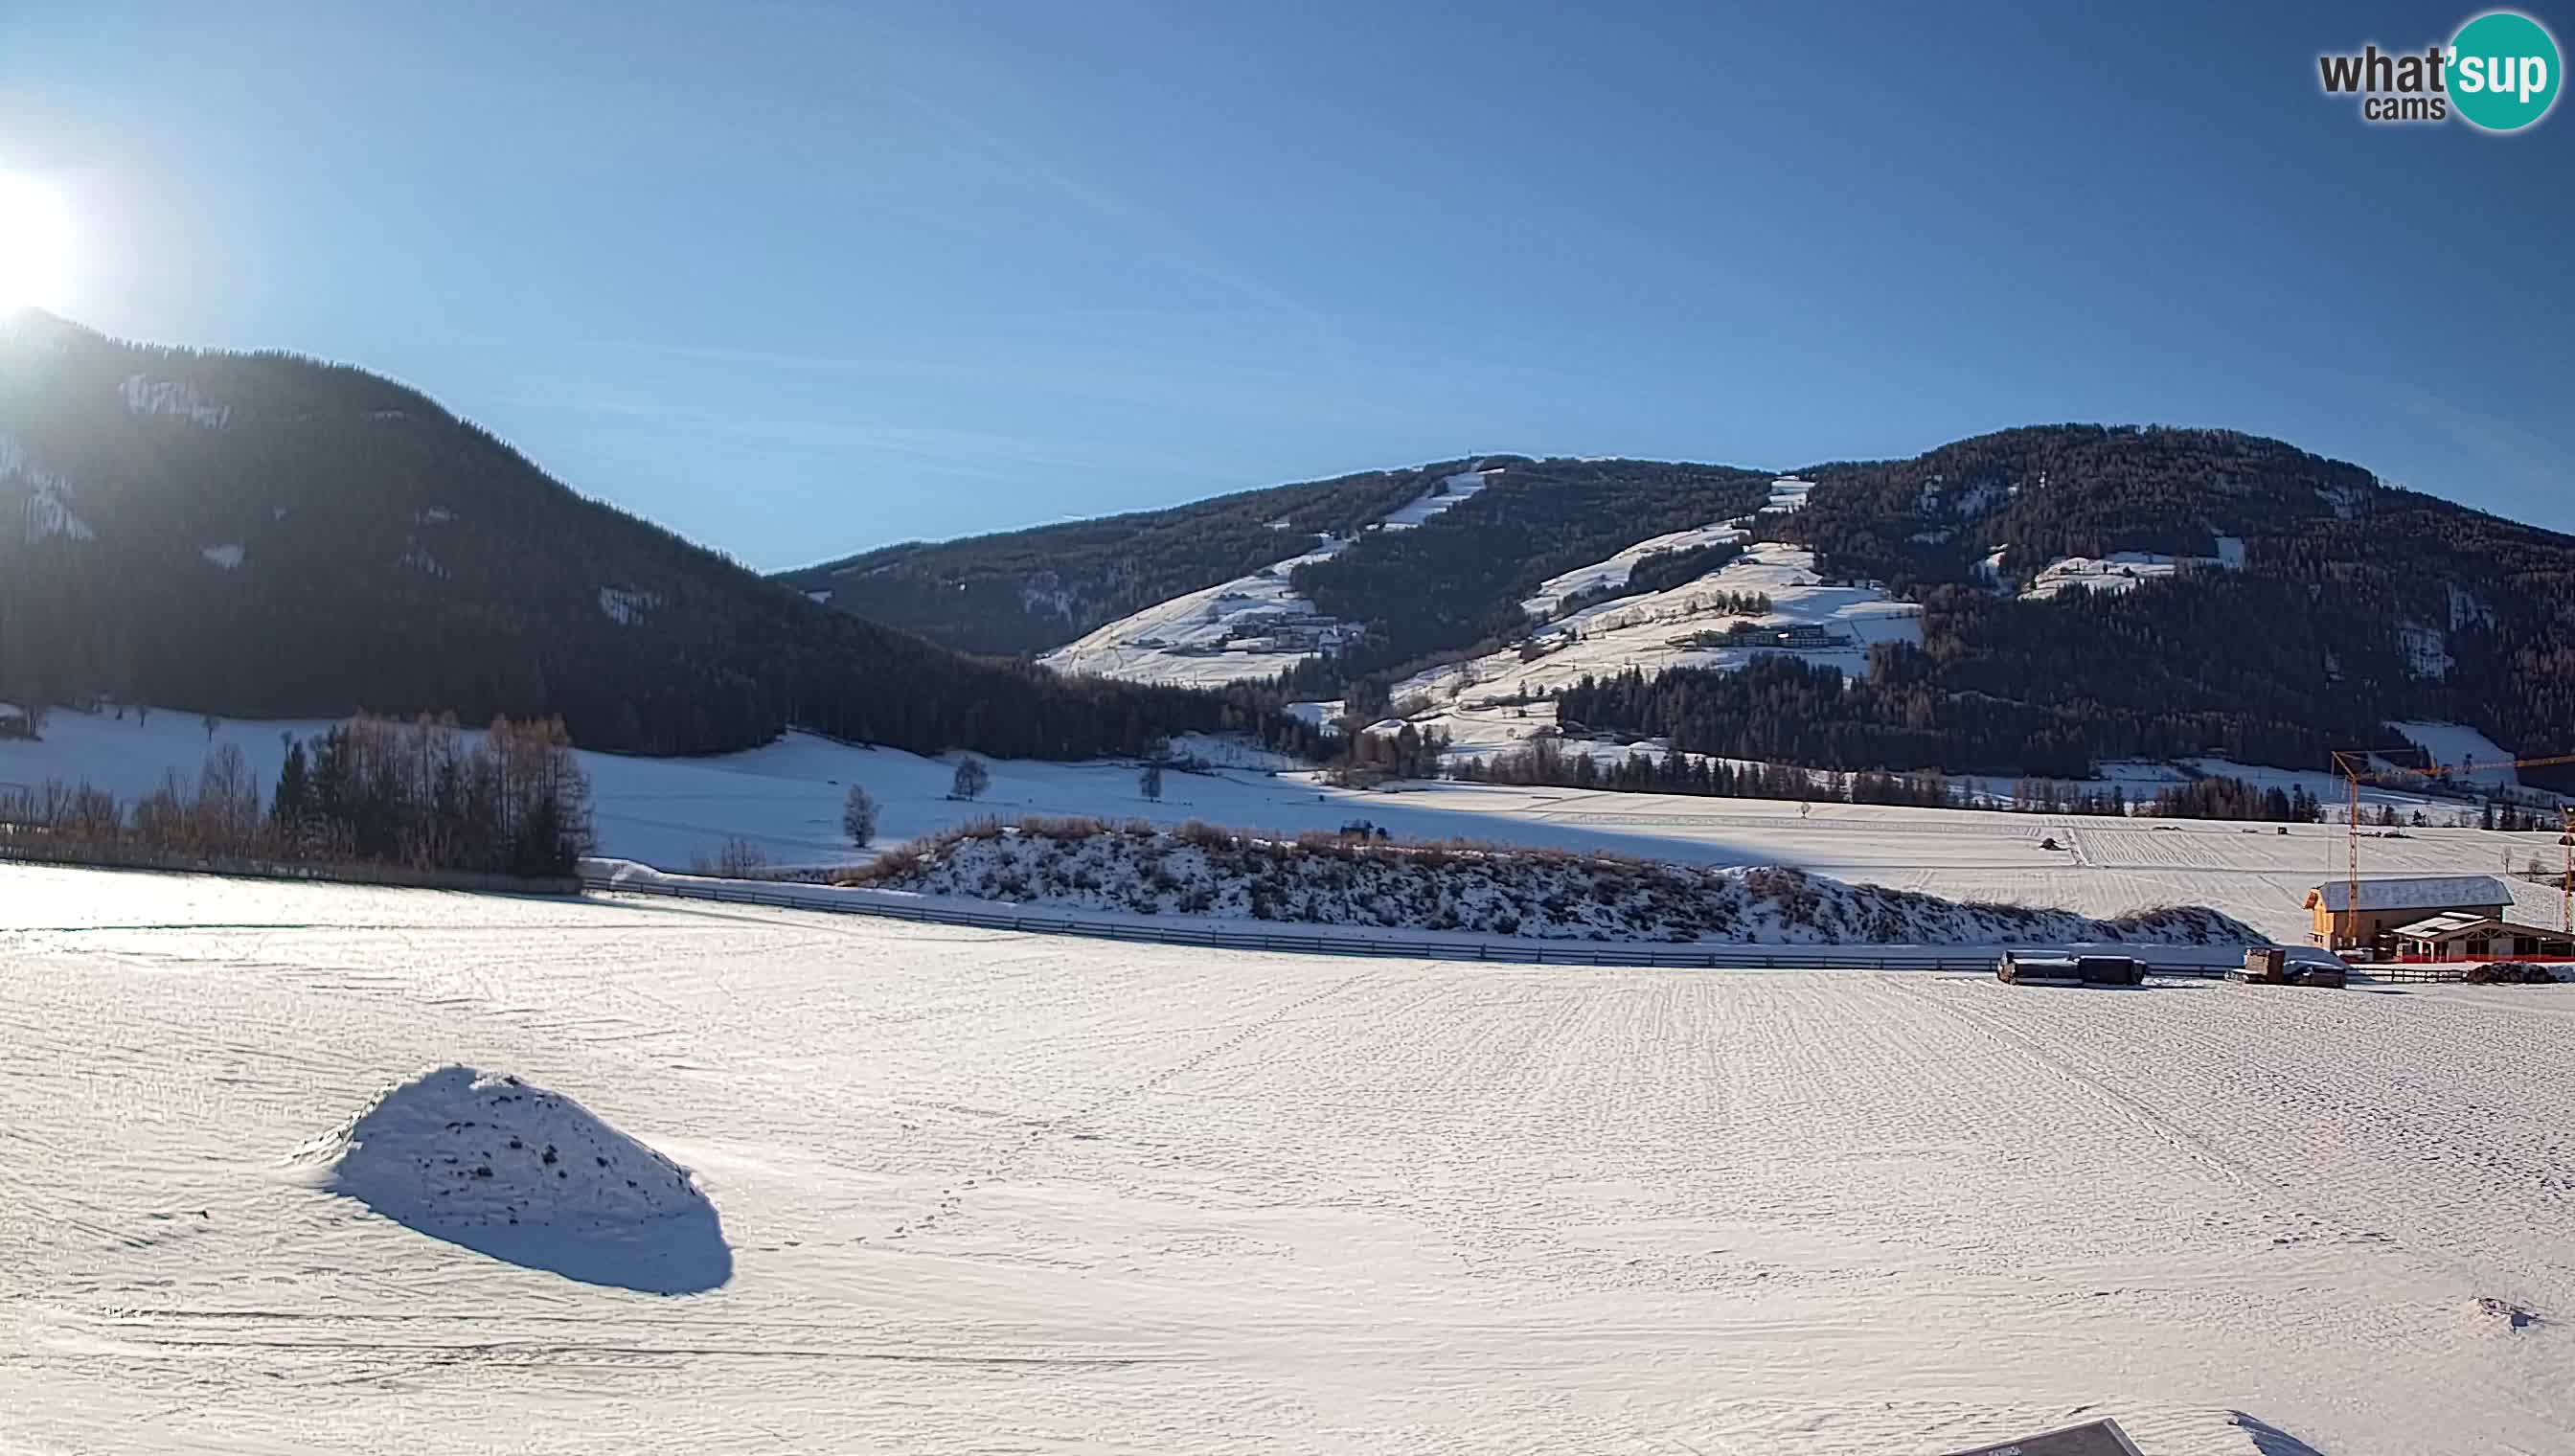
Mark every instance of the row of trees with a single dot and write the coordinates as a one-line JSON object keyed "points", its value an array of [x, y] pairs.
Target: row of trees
{"points": [[1549, 761], [2233, 798], [510, 800]]}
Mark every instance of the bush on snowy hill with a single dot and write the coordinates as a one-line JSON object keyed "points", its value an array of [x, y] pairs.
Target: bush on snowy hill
{"points": [[1320, 878]]}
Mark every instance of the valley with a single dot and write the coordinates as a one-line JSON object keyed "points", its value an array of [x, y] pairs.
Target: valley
{"points": [[785, 800], [1135, 1198]]}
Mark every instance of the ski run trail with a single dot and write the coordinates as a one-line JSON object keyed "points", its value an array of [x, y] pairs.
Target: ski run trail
{"points": [[988, 1192]]}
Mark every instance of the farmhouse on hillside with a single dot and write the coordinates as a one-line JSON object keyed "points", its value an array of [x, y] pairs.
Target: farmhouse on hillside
{"points": [[2460, 936], [2387, 904]]}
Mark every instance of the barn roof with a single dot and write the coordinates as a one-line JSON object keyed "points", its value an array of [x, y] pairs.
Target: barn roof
{"points": [[2416, 892], [2448, 922], [2457, 923]]}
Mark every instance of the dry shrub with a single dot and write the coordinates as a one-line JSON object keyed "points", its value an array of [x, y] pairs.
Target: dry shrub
{"points": [[1137, 828], [735, 858], [1202, 834], [2509, 973], [1063, 829], [898, 862]]}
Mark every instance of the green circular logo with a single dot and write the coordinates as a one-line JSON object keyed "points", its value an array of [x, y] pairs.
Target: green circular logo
{"points": [[2504, 72]]}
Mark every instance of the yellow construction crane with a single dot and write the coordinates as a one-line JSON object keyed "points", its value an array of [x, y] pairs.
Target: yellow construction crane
{"points": [[2356, 766]]}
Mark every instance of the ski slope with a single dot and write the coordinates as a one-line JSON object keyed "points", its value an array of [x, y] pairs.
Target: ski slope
{"points": [[1613, 569], [1251, 627], [1660, 630], [984, 1192]]}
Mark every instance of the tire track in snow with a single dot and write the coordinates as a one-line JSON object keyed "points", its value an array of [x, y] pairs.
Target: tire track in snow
{"points": [[2243, 1091], [1036, 1132]]}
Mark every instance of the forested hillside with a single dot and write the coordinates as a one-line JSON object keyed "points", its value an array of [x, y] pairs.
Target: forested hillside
{"points": [[268, 535], [2089, 591], [1025, 592], [2311, 604]]}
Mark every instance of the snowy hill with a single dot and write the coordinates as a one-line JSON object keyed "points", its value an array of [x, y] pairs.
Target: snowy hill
{"points": [[1697, 624], [2117, 567]]}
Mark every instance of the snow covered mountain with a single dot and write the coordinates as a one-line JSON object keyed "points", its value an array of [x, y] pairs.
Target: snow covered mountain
{"points": [[267, 535], [2046, 598]]}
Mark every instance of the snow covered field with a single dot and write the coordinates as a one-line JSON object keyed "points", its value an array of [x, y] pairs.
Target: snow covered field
{"points": [[786, 798], [994, 1193]]}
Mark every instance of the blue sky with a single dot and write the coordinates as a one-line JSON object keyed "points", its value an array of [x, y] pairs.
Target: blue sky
{"points": [[797, 279]]}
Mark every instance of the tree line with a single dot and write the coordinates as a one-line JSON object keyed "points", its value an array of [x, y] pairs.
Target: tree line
{"points": [[420, 794]]}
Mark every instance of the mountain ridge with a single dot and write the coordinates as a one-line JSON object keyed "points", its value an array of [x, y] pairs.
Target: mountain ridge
{"points": [[268, 535], [2148, 543]]}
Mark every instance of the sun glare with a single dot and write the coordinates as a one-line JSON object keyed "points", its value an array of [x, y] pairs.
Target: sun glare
{"points": [[35, 245]]}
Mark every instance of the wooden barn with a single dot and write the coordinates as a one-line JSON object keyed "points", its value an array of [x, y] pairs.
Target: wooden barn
{"points": [[2386, 904]]}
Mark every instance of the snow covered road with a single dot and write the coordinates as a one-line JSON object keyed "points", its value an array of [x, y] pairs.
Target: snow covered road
{"points": [[999, 1193]]}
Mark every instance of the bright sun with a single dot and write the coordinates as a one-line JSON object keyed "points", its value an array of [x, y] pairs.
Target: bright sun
{"points": [[35, 245]]}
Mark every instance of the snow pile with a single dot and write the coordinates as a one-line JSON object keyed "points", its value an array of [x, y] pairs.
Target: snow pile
{"points": [[1324, 879], [524, 1174], [229, 558], [161, 397]]}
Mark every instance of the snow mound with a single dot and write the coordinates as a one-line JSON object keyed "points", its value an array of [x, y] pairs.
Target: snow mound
{"points": [[525, 1175]]}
